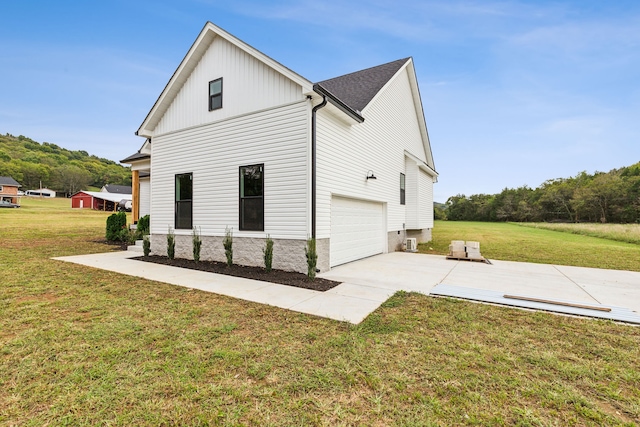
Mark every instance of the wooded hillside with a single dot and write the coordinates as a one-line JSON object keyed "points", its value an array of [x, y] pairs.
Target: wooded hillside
{"points": [[59, 169], [612, 196]]}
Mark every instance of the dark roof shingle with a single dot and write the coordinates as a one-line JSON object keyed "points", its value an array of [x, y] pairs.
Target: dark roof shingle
{"points": [[358, 89], [7, 180], [135, 156]]}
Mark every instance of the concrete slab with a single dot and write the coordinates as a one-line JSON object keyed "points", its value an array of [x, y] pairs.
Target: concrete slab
{"points": [[611, 287], [369, 282], [518, 277], [361, 291], [338, 307]]}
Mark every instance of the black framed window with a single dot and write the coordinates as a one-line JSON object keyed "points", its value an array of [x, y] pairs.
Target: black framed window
{"points": [[184, 201], [252, 197], [402, 189], [215, 94]]}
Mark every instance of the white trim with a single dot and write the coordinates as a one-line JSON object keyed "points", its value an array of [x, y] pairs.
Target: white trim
{"points": [[421, 164]]}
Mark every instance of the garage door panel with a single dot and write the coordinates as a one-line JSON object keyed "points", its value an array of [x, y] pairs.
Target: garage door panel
{"points": [[357, 229]]}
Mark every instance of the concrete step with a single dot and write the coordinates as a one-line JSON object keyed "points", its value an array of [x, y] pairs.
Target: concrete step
{"points": [[135, 248]]}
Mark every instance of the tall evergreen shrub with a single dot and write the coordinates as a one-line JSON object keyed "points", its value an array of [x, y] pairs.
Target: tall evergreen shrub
{"points": [[268, 253], [312, 258], [171, 243], [197, 244], [115, 224], [143, 226], [228, 245]]}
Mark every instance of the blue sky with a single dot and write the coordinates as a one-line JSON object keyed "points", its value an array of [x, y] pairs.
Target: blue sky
{"points": [[514, 92]]}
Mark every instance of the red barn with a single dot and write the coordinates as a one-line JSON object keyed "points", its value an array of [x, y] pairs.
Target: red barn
{"points": [[97, 200], [82, 200]]}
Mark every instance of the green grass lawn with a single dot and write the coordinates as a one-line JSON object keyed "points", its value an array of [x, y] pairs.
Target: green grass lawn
{"points": [[514, 242], [80, 346], [629, 233]]}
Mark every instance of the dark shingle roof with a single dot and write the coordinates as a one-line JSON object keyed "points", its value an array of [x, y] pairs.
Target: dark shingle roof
{"points": [[7, 180], [358, 89], [135, 156], [120, 189]]}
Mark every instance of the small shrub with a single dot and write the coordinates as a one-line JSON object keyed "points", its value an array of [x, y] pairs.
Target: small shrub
{"points": [[268, 253], [143, 226], [171, 244], [127, 236], [115, 224], [146, 245], [228, 245], [197, 244], [312, 258]]}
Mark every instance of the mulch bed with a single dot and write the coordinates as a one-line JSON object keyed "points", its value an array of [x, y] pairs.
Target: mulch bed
{"points": [[289, 278]]}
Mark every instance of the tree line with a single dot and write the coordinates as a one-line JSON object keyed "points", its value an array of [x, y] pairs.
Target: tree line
{"points": [[66, 171], [612, 196]]}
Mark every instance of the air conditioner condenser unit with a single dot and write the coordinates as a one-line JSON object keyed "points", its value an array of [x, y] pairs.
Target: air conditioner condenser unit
{"points": [[411, 245]]}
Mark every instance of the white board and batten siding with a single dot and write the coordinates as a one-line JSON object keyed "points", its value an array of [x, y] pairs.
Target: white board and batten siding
{"points": [[214, 153], [248, 85], [345, 154]]}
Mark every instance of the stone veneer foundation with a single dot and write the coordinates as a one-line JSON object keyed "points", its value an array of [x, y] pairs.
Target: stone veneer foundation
{"points": [[288, 254]]}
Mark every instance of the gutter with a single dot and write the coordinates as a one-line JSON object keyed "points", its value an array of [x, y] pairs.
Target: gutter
{"points": [[313, 163], [355, 115]]}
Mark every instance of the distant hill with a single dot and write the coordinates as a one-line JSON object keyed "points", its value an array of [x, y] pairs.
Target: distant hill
{"points": [[59, 169]]}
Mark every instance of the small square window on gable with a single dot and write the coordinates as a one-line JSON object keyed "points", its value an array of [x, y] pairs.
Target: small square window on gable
{"points": [[215, 94]]}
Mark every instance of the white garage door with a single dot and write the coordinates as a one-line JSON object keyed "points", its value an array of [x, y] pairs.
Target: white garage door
{"points": [[357, 229]]}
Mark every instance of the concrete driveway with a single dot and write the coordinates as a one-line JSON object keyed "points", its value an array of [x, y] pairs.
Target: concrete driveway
{"points": [[420, 273]]}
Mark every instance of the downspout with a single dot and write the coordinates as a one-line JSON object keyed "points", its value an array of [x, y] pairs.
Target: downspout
{"points": [[313, 164]]}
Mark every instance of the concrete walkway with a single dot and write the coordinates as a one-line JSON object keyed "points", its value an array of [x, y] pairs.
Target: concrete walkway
{"points": [[368, 283]]}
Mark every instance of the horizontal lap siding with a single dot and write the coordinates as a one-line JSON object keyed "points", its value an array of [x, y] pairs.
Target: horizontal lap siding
{"points": [[425, 200], [214, 153], [346, 153], [412, 194], [248, 85]]}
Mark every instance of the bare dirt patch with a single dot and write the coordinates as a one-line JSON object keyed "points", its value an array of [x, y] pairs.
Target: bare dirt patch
{"points": [[289, 278]]}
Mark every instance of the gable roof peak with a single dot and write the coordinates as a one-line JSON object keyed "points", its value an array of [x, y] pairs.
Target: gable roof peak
{"points": [[357, 89]]}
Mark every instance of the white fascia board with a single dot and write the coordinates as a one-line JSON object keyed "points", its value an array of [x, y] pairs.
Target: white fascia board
{"points": [[191, 60], [421, 164], [417, 100]]}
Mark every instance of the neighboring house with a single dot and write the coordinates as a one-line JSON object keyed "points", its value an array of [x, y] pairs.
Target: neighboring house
{"points": [[119, 189], [99, 200], [41, 192], [9, 189], [238, 140]]}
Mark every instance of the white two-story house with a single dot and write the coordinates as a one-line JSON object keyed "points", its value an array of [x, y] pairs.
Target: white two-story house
{"points": [[237, 140]]}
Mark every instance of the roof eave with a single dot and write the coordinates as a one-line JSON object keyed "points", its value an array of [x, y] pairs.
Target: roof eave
{"points": [[135, 157], [334, 100]]}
